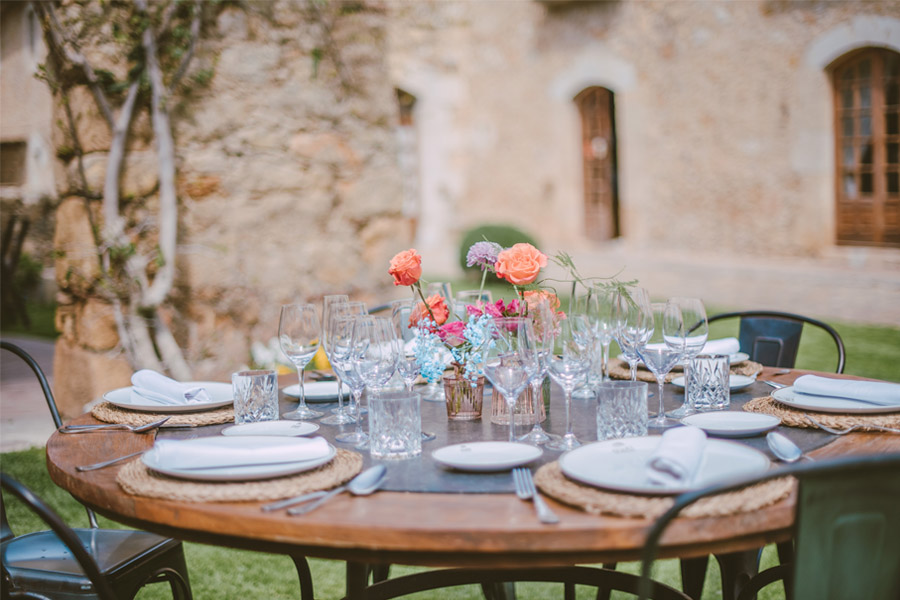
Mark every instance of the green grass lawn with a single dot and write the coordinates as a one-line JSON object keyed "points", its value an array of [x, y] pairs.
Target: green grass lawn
{"points": [[219, 573]]}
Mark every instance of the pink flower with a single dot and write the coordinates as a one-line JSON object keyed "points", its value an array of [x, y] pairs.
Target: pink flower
{"points": [[453, 333]]}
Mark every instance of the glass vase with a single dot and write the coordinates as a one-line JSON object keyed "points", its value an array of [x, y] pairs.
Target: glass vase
{"points": [[464, 400]]}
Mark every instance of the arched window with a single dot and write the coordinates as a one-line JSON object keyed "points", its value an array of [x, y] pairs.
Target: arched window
{"points": [[867, 142], [598, 147], [408, 156]]}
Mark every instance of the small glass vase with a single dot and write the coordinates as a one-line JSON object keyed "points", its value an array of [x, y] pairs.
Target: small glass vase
{"points": [[524, 409], [464, 400]]}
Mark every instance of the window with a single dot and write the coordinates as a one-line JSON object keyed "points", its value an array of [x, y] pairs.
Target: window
{"points": [[12, 163], [867, 135], [407, 156], [598, 148]]}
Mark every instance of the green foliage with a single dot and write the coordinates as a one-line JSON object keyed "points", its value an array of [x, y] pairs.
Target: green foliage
{"points": [[203, 77], [28, 274], [505, 235]]}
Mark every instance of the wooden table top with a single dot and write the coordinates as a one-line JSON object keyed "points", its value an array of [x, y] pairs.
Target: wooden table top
{"points": [[436, 529]]}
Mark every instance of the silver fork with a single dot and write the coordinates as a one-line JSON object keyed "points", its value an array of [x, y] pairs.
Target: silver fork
{"points": [[834, 431], [525, 490], [112, 427]]}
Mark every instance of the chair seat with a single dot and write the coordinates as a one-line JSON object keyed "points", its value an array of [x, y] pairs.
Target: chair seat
{"points": [[41, 562]]}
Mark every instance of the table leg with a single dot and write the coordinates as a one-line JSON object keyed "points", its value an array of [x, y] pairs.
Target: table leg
{"points": [[357, 580], [693, 574], [305, 576], [737, 569]]}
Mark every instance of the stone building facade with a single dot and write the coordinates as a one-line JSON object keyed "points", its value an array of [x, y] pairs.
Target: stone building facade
{"points": [[619, 131]]}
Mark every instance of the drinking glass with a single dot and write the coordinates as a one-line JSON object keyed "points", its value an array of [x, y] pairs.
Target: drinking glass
{"points": [[567, 364], [255, 396], [299, 333], [327, 303], [604, 321], [474, 297], [407, 366], [585, 305], [373, 352], [663, 350], [505, 360], [544, 326], [441, 288], [342, 415], [342, 340], [633, 324], [696, 332]]}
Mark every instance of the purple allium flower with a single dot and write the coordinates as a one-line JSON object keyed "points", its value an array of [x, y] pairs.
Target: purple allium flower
{"points": [[483, 254]]}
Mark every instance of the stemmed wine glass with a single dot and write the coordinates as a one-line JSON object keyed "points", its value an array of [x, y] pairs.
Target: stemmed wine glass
{"points": [[568, 363], [604, 324], [663, 350], [327, 303], [407, 366], [298, 334], [633, 324], [585, 305], [373, 353], [342, 415], [464, 298], [696, 332], [505, 358], [544, 326]]}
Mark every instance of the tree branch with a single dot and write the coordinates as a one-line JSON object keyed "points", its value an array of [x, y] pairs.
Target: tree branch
{"points": [[186, 59]]}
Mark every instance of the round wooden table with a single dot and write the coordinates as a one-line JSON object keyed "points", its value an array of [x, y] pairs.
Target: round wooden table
{"points": [[432, 529]]}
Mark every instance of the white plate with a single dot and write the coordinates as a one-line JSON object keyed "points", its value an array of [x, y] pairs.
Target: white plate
{"points": [[220, 395], [621, 465], [486, 456], [734, 359], [735, 382], [246, 473], [317, 391], [279, 428], [732, 423], [828, 404]]}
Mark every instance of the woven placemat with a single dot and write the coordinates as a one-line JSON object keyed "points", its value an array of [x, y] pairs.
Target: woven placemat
{"points": [[794, 417], [110, 413], [552, 482], [135, 478], [619, 369]]}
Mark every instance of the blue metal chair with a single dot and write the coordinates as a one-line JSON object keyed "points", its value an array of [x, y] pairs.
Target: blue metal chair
{"points": [[847, 530], [43, 564], [772, 338]]}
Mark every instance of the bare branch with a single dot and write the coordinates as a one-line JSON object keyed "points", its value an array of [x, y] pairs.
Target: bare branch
{"points": [[171, 353], [168, 205], [113, 223], [68, 49], [186, 59]]}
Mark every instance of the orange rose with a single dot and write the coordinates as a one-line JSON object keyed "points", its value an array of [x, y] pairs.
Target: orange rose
{"points": [[534, 297], [520, 264], [406, 267], [438, 308]]}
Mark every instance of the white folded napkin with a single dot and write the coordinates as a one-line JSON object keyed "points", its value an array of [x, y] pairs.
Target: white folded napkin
{"points": [[155, 387], [726, 346], [873, 392], [187, 454], [678, 456]]}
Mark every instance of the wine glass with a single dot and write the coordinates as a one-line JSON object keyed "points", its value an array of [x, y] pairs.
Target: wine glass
{"points": [[585, 305], [505, 360], [407, 366], [696, 332], [342, 339], [299, 333], [342, 415], [464, 298], [663, 350], [633, 324], [568, 363], [544, 326], [604, 324], [373, 354]]}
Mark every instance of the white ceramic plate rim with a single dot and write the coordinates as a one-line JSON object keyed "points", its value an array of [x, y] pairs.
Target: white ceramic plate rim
{"points": [[735, 382], [828, 404], [465, 457], [273, 428], [316, 391], [249, 473], [741, 461], [732, 423], [220, 393]]}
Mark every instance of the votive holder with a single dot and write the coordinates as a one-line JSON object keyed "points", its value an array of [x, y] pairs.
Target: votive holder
{"points": [[255, 396], [621, 409], [707, 382]]}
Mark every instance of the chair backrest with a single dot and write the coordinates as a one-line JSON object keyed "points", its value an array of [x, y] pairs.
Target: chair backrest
{"points": [[773, 338], [847, 527], [51, 404], [63, 532]]}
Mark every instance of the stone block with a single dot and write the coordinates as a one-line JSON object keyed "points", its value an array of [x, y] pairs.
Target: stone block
{"points": [[81, 376], [95, 325], [94, 134], [140, 175], [77, 263]]}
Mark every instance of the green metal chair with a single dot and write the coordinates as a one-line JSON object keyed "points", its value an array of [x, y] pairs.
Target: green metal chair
{"points": [[847, 530]]}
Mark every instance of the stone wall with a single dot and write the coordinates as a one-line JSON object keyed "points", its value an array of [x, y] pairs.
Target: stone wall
{"points": [[287, 184]]}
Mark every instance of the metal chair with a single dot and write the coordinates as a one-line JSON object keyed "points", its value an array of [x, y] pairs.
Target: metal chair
{"points": [[127, 560], [847, 530], [772, 338]]}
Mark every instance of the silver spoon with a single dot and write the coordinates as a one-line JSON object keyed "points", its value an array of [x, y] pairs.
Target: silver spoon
{"points": [[362, 485], [783, 448], [112, 427]]}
